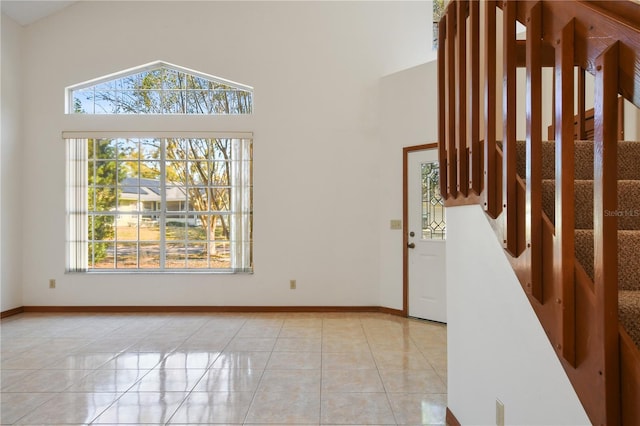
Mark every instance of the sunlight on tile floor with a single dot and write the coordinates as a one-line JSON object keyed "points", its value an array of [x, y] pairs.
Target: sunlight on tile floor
{"points": [[280, 368]]}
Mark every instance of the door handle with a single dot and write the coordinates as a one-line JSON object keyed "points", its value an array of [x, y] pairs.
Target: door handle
{"points": [[411, 245]]}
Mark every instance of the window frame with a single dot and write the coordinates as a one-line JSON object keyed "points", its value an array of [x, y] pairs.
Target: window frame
{"points": [[156, 65], [241, 222]]}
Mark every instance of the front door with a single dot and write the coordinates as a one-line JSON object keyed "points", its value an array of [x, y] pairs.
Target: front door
{"points": [[425, 227]]}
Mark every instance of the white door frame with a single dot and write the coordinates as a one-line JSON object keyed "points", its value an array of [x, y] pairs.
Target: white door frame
{"points": [[405, 221]]}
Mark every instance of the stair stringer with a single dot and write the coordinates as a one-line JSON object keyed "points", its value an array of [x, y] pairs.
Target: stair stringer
{"points": [[497, 347]]}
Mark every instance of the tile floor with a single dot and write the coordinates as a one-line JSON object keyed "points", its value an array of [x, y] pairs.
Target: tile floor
{"points": [[296, 368]]}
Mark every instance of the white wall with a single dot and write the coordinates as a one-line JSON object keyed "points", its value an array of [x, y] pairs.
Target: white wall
{"points": [[10, 166], [631, 122], [408, 117], [315, 67], [496, 345]]}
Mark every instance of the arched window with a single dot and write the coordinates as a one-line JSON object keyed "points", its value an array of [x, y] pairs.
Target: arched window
{"points": [[160, 88], [159, 200]]}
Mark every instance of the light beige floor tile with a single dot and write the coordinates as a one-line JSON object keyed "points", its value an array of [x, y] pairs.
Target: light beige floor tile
{"points": [[419, 409], [397, 346], [307, 332], [298, 344], [431, 340], [437, 357], [82, 361], [266, 320], [17, 343], [9, 378], [259, 331], [169, 380], [401, 361], [30, 360], [202, 344], [356, 408], [48, 381], [69, 341], [13, 406], [251, 344], [384, 333], [285, 408], [412, 381], [223, 324], [188, 359], [303, 322], [214, 334], [362, 356], [213, 407], [134, 361], [248, 360], [342, 323], [349, 331], [347, 361], [229, 380], [69, 408], [295, 360], [351, 381], [435, 353], [282, 381], [156, 344], [142, 408], [345, 344], [104, 380], [108, 344]]}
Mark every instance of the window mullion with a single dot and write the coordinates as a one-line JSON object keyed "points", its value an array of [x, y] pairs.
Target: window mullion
{"points": [[163, 202], [112, 171]]}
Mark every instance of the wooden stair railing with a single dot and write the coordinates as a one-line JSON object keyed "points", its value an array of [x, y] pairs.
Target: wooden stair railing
{"points": [[602, 38]]}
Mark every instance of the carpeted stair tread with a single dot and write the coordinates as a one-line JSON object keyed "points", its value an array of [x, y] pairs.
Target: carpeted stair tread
{"points": [[628, 212], [628, 258], [628, 160], [629, 313]]}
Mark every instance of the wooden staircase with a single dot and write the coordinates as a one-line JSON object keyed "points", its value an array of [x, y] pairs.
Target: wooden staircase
{"points": [[628, 215], [567, 210]]}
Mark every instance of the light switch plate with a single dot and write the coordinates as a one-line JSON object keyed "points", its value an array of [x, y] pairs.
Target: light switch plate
{"points": [[396, 224]]}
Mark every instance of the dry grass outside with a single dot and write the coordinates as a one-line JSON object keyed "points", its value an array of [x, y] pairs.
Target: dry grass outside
{"points": [[152, 233], [186, 248], [153, 262]]}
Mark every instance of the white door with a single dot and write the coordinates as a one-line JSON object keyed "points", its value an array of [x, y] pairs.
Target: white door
{"points": [[426, 242]]}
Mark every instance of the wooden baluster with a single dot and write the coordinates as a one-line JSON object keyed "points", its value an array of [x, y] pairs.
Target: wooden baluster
{"points": [[474, 97], [492, 198], [581, 125], [552, 132], [452, 154], [442, 92], [605, 231], [534, 149], [564, 251], [509, 183], [461, 109]]}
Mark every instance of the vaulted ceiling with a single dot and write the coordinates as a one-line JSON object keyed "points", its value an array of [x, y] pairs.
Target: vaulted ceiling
{"points": [[26, 12]]}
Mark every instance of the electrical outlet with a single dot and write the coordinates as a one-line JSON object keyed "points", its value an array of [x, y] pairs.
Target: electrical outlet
{"points": [[52, 283], [499, 413], [292, 284]]}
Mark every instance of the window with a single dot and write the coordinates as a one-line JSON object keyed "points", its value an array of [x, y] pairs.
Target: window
{"points": [[438, 13], [160, 204], [159, 201], [433, 215], [160, 88]]}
